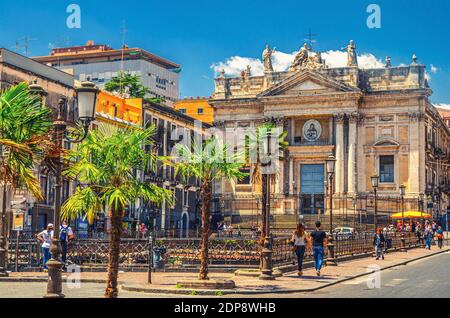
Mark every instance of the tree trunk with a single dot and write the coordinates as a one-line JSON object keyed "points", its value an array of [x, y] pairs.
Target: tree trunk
{"points": [[114, 253], [206, 224]]}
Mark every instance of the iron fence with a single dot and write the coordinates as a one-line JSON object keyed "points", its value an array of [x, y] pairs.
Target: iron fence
{"points": [[25, 254]]}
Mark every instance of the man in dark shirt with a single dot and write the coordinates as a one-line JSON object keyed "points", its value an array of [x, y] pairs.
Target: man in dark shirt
{"points": [[318, 241]]}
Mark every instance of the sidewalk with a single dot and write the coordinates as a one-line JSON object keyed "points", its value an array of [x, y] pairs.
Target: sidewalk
{"points": [[165, 283]]}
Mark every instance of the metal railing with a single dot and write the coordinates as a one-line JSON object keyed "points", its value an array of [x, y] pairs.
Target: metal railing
{"points": [[177, 253]]}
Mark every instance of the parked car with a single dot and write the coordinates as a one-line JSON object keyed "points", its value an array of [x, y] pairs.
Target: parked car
{"points": [[346, 232]]}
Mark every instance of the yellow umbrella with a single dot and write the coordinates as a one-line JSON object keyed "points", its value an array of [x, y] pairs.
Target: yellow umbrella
{"points": [[411, 215]]}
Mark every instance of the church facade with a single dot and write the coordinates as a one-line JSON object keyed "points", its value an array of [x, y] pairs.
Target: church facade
{"points": [[374, 121]]}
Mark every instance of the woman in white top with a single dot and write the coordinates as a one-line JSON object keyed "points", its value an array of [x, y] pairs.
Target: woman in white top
{"points": [[300, 241], [46, 237]]}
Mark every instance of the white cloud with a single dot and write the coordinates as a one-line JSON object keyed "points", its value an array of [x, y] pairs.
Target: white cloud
{"points": [[281, 62], [443, 106]]}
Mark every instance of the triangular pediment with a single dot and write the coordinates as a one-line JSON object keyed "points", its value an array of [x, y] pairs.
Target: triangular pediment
{"points": [[307, 82]]}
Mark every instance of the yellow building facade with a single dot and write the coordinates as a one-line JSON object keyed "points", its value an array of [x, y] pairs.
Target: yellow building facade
{"points": [[197, 108], [112, 109]]}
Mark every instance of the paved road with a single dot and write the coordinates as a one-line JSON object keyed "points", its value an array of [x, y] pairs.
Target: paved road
{"points": [[429, 277]]}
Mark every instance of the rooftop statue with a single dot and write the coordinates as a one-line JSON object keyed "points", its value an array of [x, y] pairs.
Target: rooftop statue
{"points": [[267, 59], [300, 59], [352, 57], [388, 62]]}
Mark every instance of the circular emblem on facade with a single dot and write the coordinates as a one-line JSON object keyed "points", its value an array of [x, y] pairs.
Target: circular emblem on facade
{"points": [[312, 130]]}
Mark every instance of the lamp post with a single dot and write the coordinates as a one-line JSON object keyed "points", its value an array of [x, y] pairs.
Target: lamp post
{"points": [[331, 163], [267, 250], [87, 100], [422, 208], [402, 195], [375, 180]]}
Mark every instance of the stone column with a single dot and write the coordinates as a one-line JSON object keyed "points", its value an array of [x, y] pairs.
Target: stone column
{"points": [[291, 176], [414, 153], [352, 133], [340, 154]]}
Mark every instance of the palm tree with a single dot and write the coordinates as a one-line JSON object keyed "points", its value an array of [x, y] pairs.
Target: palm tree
{"points": [[208, 162], [256, 142], [25, 125], [105, 164]]}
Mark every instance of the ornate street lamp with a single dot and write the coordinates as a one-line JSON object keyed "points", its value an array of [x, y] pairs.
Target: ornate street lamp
{"points": [[87, 101], [267, 250], [375, 180], [421, 201], [402, 195], [331, 163]]}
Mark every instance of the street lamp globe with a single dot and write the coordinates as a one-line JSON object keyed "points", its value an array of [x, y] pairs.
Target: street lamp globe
{"points": [[87, 101], [402, 190], [375, 180], [331, 163], [421, 197], [37, 90]]}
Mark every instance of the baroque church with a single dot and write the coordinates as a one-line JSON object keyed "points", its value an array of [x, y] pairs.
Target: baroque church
{"points": [[374, 121]]}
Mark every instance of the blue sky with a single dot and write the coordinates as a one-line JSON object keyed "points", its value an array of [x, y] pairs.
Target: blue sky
{"points": [[199, 33]]}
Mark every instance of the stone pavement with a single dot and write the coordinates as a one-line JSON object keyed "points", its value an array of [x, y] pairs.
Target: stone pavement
{"points": [[166, 283]]}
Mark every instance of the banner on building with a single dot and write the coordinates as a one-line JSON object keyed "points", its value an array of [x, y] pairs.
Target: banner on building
{"points": [[18, 221]]}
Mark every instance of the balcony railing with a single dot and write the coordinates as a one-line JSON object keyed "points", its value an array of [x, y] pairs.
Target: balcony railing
{"points": [[303, 142]]}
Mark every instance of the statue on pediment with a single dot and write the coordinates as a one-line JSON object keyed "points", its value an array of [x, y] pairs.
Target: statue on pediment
{"points": [[267, 59], [300, 59], [352, 57], [305, 60]]}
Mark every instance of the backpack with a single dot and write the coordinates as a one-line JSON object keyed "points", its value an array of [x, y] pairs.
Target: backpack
{"points": [[64, 234]]}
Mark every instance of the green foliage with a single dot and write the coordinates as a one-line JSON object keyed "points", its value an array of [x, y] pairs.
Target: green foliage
{"points": [[105, 164], [126, 83], [256, 142], [155, 100], [219, 293], [208, 161], [25, 124]]}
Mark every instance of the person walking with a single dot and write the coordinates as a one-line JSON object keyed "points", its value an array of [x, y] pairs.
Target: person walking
{"points": [[419, 234], [299, 241], [318, 242], [440, 237], [428, 236], [65, 236], [379, 242], [45, 237]]}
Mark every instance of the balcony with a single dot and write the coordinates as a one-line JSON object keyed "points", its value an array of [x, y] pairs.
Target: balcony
{"points": [[299, 141], [318, 149]]}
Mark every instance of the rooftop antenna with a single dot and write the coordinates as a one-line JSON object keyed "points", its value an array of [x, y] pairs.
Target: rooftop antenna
{"points": [[26, 45], [62, 42], [309, 39]]}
